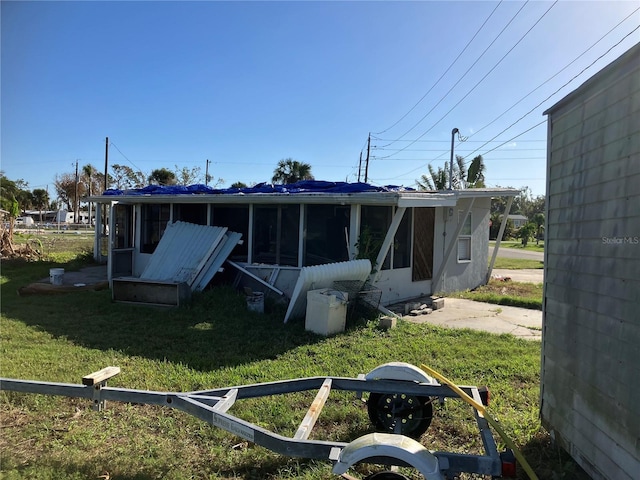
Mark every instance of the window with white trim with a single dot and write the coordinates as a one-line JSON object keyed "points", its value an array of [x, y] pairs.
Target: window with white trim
{"points": [[464, 239]]}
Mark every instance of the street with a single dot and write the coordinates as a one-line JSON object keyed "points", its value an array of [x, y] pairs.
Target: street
{"points": [[506, 252]]}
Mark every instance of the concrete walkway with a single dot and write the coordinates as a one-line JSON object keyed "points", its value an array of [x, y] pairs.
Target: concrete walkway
{"points": [[460, 313]]}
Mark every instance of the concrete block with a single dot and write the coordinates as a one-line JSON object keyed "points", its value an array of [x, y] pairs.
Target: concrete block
{"points": [[388, 322], [437, 303], [408, 307]]}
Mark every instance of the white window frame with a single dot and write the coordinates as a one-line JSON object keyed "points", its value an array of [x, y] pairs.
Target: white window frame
{"points": [[464, 239]]}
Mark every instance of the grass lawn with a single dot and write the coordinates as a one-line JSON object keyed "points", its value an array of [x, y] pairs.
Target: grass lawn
{"points": [[515, 294], [517, 263], [216, 342]]}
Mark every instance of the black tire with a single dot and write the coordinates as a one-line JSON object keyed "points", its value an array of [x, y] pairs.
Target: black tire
{"points": [[413, 412], [386, 476]]}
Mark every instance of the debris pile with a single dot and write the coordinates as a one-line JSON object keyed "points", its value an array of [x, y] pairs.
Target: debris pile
{"points": [[414, 309], [32, 250]]}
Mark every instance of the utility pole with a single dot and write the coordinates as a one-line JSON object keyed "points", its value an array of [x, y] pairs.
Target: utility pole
{"points": [[360, 166], [206, 173], [106, 186], [453, 133], [106, 163], [77, 200], [366, 168]]}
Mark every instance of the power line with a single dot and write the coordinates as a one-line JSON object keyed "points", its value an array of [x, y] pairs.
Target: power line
{"points": [[448, 141], [445, 72], [528, 113], [556, 74], [463, 76], [444, 153], [457, 150], [567, 83], [491, 70], [116, 147]]}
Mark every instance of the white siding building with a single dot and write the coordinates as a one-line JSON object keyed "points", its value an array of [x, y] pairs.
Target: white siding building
{"points": [[591, 336], [429, 242]]}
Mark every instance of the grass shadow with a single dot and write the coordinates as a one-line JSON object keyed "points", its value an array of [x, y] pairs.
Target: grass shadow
{"points": [[214, 330], [550, 461]]}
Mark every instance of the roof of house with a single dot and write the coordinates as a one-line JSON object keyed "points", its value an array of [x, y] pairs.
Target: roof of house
{"points": [[621, 66], [307, 191]]}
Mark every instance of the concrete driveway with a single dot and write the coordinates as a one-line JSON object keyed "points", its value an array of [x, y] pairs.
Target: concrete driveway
{"points": [[459, 313]]}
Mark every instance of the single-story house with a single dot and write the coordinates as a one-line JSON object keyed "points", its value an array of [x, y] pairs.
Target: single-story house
{"points": [[420, 242], [591, 328], [517, 220]]}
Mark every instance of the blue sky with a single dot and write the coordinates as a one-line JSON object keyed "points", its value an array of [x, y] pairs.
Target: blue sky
{"points": [[246, 84]]}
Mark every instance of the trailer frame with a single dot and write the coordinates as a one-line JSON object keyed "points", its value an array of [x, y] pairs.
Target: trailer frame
{"points": [[391, 448]]}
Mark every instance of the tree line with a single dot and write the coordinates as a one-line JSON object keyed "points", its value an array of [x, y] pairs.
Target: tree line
{"points": [[70, 188]]}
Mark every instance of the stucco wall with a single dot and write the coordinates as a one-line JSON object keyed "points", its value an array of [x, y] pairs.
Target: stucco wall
{"points": [[591, 337]]}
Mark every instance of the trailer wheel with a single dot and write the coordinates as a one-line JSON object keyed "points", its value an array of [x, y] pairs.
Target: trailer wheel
{"points": [[414, 413], [386, 476]]}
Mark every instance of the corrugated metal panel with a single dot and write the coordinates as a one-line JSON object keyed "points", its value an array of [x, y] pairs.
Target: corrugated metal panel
{"points": [[183, 252], [230, 240], [323, 276]]}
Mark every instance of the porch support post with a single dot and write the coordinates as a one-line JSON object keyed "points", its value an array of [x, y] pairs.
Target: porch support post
{"points": [[503, 224], [354, 228], [112, 230], [97, 229], [301, 239], [452, 244], [388, 241]]}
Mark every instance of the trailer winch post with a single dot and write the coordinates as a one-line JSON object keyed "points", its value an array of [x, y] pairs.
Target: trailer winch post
{"points": [[98, 380]]}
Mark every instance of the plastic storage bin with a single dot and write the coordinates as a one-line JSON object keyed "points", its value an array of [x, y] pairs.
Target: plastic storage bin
{"points": [[326, 311]]}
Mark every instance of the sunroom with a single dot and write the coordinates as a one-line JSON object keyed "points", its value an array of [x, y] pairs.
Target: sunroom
{"points": [[419, 243]]}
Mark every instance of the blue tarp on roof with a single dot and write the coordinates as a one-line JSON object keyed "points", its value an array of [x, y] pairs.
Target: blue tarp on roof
{"points": [[304, 186]]}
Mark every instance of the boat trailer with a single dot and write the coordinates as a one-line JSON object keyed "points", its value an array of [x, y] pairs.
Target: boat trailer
{"points": [[400, 405]]}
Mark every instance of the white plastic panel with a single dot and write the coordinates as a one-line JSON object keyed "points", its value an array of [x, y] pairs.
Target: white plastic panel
{"points": [[323, 276]]}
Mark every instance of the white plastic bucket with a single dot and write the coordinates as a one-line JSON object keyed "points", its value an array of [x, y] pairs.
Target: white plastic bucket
{"points": [[255, 302], [56, 275]]}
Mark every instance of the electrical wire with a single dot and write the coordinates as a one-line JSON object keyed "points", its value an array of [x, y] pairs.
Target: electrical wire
{"points": [[445, 72], [463, 76], [448, 141], [543, 101], [488, 73], [558, 73], [502, 143], [444, 153], [111, 144]]}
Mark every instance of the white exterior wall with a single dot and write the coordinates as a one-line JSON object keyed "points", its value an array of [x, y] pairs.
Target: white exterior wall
{"points": [[396, 284], [591, 336], [463, 275]]}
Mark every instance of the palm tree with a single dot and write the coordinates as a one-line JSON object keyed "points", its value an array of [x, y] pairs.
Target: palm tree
{"points": [[475, 173], [472, 177], [88, 171], [40, 200], [437, 180], [291, 171]]}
